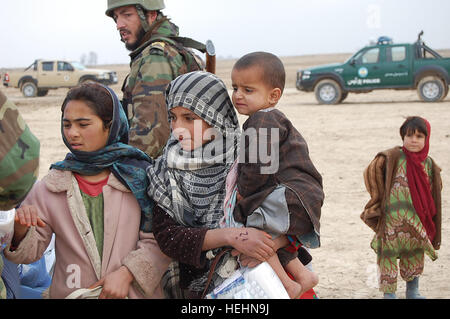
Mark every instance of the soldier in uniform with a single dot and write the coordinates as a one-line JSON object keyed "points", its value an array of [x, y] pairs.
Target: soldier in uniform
{"points": [[158, 55], [19, 161]]}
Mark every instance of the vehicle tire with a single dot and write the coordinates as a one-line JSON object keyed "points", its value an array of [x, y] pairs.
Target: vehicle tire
{"points": [[344, 96], [431, 89], [86, 80], [445, 93], [328, 92], [29, 89], [42, 92]]}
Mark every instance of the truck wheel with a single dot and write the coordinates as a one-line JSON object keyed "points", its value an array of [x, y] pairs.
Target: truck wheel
{"points": [[86, 80], [42, 92], [431, 89], [328, 92], [445, 93], [344, 96], [29, 89]]}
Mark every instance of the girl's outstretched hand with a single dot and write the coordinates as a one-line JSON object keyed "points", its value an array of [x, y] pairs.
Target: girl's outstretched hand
{"points": [[26, 216], [253, 242]]}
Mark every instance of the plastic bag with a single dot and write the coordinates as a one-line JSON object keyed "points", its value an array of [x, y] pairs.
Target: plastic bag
{"points": [[260, 282], [6, 226], [86, 293]]}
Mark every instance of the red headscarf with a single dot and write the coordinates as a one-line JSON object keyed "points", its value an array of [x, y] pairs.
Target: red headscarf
{"points": [[419, 185]]}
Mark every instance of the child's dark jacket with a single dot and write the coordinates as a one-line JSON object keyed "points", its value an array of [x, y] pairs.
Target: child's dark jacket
{"points": [[304, 191]]}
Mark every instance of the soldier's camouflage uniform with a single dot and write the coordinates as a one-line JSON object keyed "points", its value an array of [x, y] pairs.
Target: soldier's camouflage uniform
{"points": [[154, 64], [19, 160]]}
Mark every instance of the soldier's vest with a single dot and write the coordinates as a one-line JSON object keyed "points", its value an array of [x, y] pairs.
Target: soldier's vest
{"points": [[184, 47]]}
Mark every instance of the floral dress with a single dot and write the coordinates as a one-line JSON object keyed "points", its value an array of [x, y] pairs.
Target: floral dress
{"points": [[404, 236]]}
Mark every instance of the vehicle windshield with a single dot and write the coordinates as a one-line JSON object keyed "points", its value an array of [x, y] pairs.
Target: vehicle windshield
{"points": [[366, 55], [78, 66], [354, 56]]}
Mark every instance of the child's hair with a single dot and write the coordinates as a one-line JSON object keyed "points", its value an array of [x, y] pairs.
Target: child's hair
{"points": [[272, 68], [413, 124], [96, 97]]}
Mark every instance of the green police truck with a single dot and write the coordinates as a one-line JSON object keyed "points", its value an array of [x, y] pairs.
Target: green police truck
{"points": [[385, 65]]}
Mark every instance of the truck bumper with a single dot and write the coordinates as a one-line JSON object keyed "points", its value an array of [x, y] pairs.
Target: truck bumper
{"points": [[107, 82], [306, 85], [111, 79], [305, 81]]}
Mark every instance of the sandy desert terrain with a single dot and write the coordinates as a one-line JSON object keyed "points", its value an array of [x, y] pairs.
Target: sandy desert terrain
{"points": [[342, 141]]}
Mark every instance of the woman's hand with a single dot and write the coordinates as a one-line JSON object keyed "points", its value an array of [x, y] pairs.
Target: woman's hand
{"points": [[252, 242], [26, 216], [247, 261], [116, 285], [244, 260]]}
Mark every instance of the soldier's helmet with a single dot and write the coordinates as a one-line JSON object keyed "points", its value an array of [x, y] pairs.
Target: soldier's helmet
{"points": [[146, 4]]}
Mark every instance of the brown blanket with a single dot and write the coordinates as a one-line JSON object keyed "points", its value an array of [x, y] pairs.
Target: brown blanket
{"points": [[304, 194]]}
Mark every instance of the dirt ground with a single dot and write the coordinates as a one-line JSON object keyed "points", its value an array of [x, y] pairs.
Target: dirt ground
{"points": [[342, 141]]}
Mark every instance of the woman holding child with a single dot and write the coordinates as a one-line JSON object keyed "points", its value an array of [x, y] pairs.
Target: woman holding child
{"points": [[188, 183]]}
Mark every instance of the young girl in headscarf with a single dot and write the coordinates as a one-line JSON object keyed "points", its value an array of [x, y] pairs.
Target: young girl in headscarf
{"points": [[95, 202], [405, 208], [188, 184]]}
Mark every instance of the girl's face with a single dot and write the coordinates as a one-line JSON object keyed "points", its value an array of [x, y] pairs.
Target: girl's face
{"points": [[83, 129], [414, 142], [188, 128]]}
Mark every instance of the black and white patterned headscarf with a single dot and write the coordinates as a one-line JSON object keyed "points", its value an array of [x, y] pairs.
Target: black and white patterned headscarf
{"points": [[190, 185]]}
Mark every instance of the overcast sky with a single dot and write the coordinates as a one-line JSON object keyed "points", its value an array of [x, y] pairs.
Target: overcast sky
{"points": [[67, 29]]}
